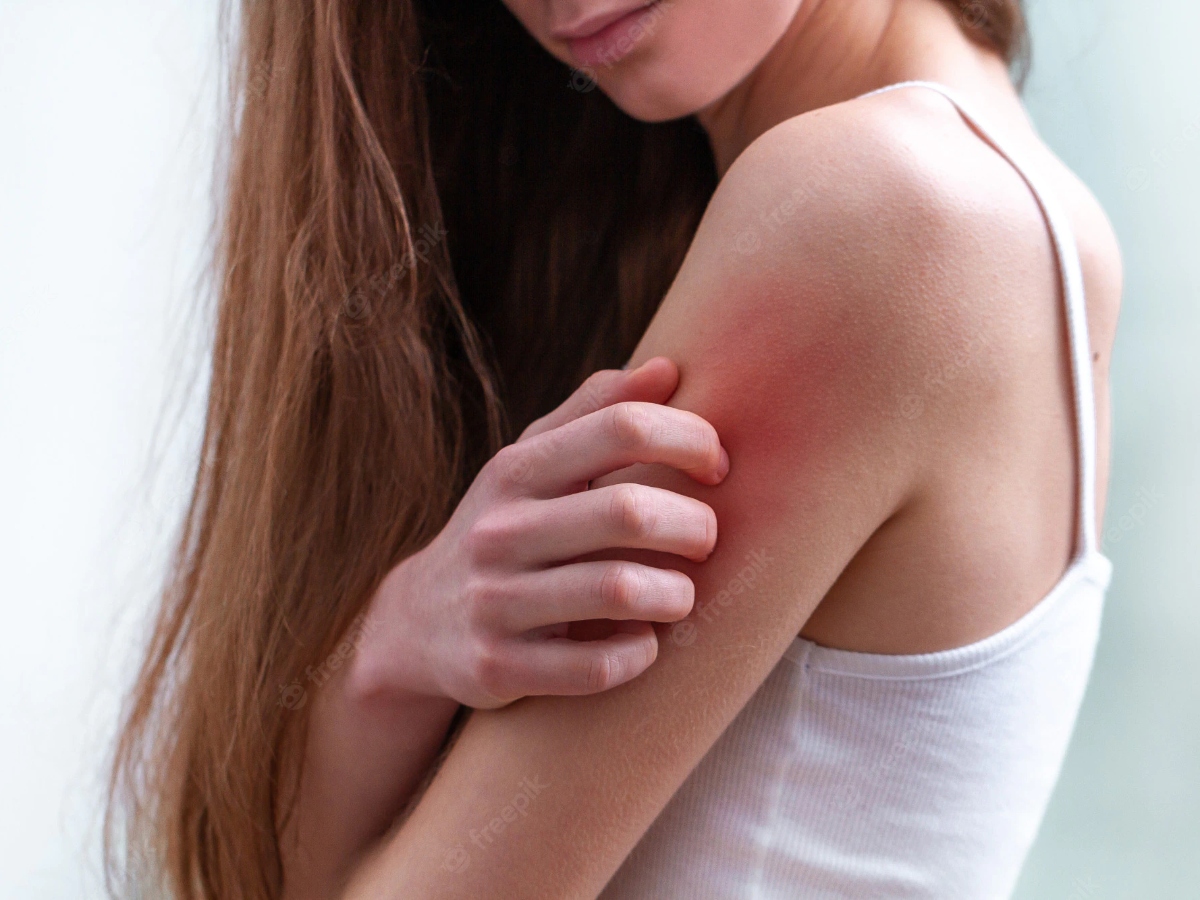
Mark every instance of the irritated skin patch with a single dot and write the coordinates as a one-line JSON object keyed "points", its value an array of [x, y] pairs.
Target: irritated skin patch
{"points": [[772, 429]]}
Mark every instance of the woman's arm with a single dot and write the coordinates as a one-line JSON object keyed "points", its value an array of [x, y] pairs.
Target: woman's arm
{"points": [[451, 625], [363, 760], [800, 344]]}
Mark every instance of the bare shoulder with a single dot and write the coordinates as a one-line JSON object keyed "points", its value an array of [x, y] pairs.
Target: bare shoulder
{"points": [[887, 234], [871, 310], [852, 249]]}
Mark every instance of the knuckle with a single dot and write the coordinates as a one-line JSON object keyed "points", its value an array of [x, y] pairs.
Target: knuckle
{"points": [[621, 587], [512, 467], [490, 536], [632, 426], [480, 595], [479, 540], [632, 512], [489, 669]]}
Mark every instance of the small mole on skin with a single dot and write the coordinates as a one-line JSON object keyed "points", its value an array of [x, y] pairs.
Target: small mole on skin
{"points": [[1096, 356]]}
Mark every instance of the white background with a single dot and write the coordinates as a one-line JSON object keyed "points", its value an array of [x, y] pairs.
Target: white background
{"points": [[106, 135]]}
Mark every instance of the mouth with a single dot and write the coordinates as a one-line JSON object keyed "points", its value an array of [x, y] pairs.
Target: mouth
{"points": [[605, 39]]}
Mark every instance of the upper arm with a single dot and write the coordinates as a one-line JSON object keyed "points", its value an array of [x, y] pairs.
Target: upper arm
{"points": [[798, 345]]}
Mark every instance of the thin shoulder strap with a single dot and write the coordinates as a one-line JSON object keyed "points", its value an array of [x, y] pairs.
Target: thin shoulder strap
{"points": [[1071, 272]]}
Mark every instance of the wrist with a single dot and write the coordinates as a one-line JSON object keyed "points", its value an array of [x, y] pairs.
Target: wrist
{"points": [[392, 663]]}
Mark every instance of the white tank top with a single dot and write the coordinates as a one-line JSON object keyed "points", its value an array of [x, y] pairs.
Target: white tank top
{"points": [[860, 775]]}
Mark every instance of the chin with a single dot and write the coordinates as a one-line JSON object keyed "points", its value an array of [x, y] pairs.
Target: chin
{"points": [[685, 68], [659, 94], [669, 58]]}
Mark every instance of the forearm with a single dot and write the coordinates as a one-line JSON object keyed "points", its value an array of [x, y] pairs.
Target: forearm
{"points": [[456, 619], [364, 758]]}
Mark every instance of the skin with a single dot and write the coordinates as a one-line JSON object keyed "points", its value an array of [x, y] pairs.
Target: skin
{"points": [[492, 609], [869, 317]]}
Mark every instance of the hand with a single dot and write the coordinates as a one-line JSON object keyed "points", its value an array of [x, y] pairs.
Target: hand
{"points": [[481, 614]]}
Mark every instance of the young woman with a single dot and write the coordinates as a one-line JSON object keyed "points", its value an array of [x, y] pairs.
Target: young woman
{"points": [[867, 316]]}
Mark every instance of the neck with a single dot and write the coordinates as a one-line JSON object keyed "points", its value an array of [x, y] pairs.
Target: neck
{"points": [[836, 50]]}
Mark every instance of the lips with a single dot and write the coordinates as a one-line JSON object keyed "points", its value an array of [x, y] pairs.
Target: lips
{"points": [[606, 40]]}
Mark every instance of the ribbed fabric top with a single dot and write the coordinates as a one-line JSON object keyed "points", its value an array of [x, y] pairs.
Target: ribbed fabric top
{"points": [[860, 775]]}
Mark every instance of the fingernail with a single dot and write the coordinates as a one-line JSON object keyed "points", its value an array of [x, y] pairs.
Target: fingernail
{"points": [[629, 366], [723, 464]]}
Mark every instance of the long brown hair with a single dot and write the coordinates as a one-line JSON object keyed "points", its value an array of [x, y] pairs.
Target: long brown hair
{"points": [[359, 379]]}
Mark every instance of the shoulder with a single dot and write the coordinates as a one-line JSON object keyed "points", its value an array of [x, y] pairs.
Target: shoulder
{"points": [[877, 238], [886, 229], [878, 198], [897, 194], [872, 281]]}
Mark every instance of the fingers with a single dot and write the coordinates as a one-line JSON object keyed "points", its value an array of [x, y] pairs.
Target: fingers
{"points": [[624, 434], [565, 667], [546, 515], [630, 516], [614, 589], [654, 381]]}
